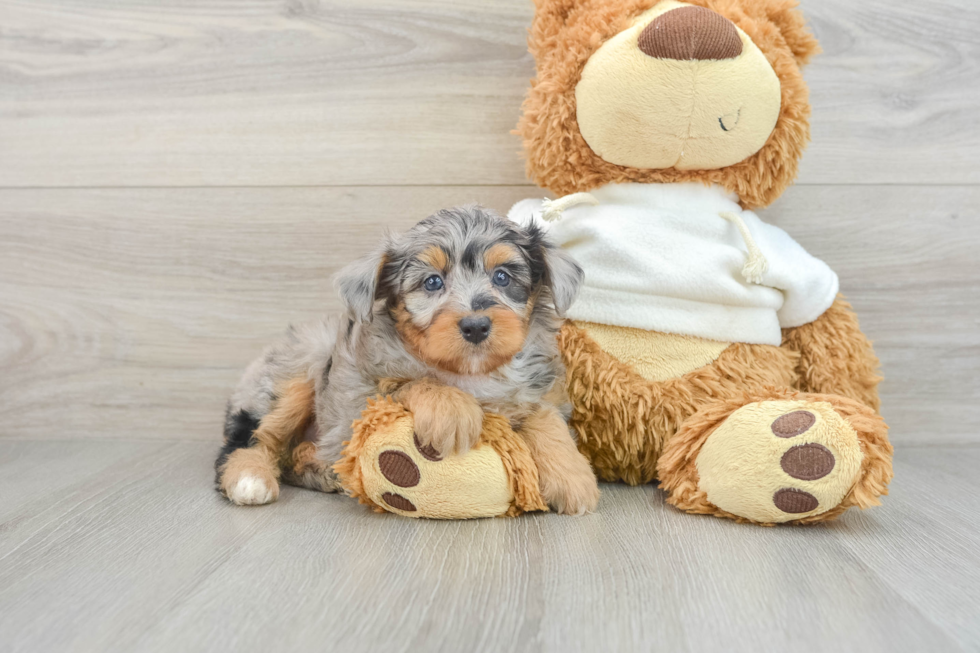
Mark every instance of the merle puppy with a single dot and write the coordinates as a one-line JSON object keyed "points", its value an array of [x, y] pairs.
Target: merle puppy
{"points": [[456, 317]]}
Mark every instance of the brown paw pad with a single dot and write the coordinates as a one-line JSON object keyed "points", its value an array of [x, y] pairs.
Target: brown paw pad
{"points": [[792, 424], [401, 470], [398, 502], [428, 451], [808, 462], [794, 501]]}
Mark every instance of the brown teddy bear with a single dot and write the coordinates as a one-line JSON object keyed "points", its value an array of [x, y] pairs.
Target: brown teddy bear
{"points": [[708, 349]]}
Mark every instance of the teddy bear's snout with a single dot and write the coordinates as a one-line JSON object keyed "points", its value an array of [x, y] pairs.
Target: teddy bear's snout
{"points": [[690, 34]]}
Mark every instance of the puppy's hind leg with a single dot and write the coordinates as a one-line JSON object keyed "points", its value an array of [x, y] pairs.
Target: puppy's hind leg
{"points": [[248, 474], [305, 469]]}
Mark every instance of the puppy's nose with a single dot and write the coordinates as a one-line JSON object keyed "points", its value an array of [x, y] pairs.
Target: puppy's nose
{"points": [[475, 328], [691, 34]]}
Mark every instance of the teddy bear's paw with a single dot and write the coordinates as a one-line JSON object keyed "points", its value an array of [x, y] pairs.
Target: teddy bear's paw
{"points": [[417, 480], [387, 464], [779, 461], [776, 461]]}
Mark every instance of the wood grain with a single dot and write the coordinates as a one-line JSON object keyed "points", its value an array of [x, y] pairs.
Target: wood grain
{"points": [[142, 555], [344, 92], [131, 313]]}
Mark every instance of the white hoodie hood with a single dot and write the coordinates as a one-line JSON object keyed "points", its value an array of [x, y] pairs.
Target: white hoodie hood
{"points": [[670, 258]]}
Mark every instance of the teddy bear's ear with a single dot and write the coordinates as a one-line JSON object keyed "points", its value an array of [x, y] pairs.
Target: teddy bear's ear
{"points": [[792, 24]]}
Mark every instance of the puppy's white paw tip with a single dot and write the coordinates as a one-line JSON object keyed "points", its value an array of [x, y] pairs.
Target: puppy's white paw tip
{"points": [[251, 491]]}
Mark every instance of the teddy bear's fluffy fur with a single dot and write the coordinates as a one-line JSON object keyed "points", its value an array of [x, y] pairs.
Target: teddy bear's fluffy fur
{"points": [[638, 430]]}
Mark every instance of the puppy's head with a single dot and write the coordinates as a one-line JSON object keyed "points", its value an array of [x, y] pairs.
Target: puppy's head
{"points": [[461, 287]]}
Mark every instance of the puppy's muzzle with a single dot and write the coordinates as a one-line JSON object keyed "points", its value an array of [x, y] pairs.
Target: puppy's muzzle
{"points": [[475, 328]]}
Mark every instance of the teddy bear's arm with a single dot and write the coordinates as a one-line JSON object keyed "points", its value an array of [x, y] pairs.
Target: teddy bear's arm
{"points": [[835, 356]]}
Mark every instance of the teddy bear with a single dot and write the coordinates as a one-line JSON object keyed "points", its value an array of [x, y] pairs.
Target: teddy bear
{"points": [[707, 351]]}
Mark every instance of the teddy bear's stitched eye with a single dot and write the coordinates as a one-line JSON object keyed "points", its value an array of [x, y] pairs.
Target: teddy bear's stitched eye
{"points": [[501, 278], [433, 283]]}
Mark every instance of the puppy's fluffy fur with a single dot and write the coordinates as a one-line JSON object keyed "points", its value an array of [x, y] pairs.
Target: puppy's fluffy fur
{"points": [[457, 316]]}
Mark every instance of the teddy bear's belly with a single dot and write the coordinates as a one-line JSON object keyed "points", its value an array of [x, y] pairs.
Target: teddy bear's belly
{"points": [[653, 355]]}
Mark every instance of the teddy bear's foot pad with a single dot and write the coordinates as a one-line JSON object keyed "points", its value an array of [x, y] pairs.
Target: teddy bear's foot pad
{"points": [[398, 502], [386, 466], [789, 457], [775, 461], [400, 470]]}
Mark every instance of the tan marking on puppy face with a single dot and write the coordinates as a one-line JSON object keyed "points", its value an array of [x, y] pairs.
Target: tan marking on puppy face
{"points": [[436, 344], [506, 336], [442, 345], [411, 334], [499, 254], [435, 256]]}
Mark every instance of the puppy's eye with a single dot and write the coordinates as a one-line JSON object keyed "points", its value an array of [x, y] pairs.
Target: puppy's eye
{"points": [[433, 283], [501, 278]]}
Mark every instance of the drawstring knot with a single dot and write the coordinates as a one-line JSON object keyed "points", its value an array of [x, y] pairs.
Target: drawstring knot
{"points": [[756, 265], [552, 209]]}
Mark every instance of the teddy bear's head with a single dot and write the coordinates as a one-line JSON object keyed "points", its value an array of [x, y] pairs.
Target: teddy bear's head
{"points": [[659, 91]]}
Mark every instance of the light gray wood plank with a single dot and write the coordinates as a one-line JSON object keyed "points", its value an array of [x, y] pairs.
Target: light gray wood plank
{"points": [[130, 313], [933, 499], [894, 92], [35, 476], [146, 557], [264, 92], [97, 563]]}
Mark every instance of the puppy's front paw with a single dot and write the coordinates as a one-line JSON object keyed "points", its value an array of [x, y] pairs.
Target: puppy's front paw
{"points": [[450, 421], [577, 499], [572, 490]]}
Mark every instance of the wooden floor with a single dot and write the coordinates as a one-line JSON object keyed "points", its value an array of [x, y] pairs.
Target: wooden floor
{"points": [[179, 179], [120, 546]]}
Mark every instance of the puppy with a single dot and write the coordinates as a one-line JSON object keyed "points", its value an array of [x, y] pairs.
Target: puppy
{"points": [[456, 317]]}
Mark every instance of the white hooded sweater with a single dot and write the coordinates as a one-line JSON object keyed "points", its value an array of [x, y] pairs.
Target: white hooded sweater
{"points": [[662, 257]]}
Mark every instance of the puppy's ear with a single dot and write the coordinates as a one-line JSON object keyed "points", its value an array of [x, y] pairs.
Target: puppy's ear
{"points": [[359, 283], [556, 269]]}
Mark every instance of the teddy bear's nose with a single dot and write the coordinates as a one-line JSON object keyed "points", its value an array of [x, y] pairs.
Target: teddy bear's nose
{"points": [[691, 34]]}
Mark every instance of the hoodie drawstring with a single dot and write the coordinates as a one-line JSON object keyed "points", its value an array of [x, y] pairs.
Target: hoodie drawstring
{"points": [[757, 265], [552, 209]]}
